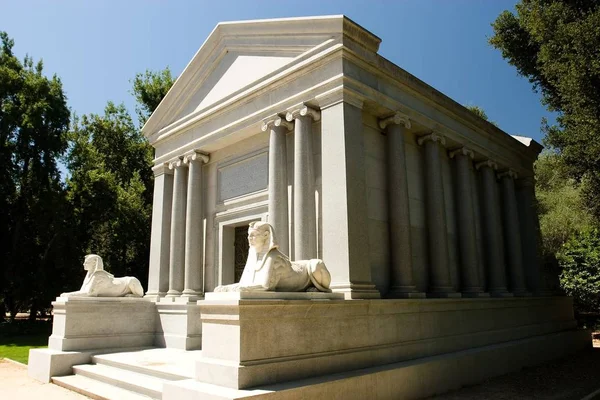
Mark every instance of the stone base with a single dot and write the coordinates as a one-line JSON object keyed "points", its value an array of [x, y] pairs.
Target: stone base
{"points": [[229, 296], [248, 343], [412, 379], [45, 363], [87, 323], [178, 324]]}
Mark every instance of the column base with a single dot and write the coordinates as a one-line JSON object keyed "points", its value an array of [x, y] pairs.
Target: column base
{"points": [[405, 292], [356, 290], [475, 295], [155, 296], [192, 295], [173, 293], [522, 293], [502, 292], [443, 292]]}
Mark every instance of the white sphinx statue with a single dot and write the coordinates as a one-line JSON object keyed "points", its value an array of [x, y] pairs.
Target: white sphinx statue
{"points": [[99, 283], [268, 269]]}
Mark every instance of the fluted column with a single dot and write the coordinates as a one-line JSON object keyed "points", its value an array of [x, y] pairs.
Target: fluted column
{"points": [[469, 265], [492, 229], [193, 285], [440, 284], [158, 277], [512, 234], [177, 253], [278, 186], [305, 218], [402, 282], [530, 237]]}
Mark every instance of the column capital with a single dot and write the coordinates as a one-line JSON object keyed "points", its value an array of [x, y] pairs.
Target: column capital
{"points": [[195, 155], [434, 137], [487, 163], [302, 111], [465, 151], [176, 162], [509, 173], [276, 120], [396, 119], [161, 169]]}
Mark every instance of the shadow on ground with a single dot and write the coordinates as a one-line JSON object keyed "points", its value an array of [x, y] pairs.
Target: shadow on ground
{"points": [[570, 378]]}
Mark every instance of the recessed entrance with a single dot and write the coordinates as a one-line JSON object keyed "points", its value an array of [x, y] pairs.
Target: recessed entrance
{"points": [[240, 248]]}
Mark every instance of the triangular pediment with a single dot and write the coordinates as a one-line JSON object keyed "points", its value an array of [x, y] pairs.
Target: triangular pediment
{"points": [[234, 72], [240, 55]]}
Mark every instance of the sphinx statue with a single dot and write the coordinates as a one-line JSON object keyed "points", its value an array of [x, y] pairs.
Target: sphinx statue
{"points": [[268, 269], [100, 283]]}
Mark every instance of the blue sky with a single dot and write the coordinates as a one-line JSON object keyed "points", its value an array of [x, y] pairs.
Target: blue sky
{"points": [[97, 47]]}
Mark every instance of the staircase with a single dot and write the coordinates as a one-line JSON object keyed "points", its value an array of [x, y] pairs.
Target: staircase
{"points": [[129, 376]]}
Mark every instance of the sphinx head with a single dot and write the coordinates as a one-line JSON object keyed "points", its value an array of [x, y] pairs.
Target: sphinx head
{"points": [[93, 263], [261, 236]]}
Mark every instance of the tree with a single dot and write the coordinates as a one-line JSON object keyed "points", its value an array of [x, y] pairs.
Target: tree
{"points": [[111, 183], [34, 121], [556, 45], [480, 113], [561, 206], [149, 89]]}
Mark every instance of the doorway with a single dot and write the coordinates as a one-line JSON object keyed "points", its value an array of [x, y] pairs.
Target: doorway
{"points": [[241, 247]]}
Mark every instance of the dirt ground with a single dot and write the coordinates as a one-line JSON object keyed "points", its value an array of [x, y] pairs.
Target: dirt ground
{"points": [[572, 378], [16, 384]]}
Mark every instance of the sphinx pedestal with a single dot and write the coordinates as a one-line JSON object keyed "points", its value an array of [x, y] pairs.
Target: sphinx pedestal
{"points": [[280, 348]]}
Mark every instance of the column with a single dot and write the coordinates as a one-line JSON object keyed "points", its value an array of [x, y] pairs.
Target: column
{"points": [[467, 242], [158, 277], [344, 200], [177, 253], [194, 238], [278, 184], [512, 234], [305, 213], [530, 237], [492, 230], [402, 283], [440, 284]]}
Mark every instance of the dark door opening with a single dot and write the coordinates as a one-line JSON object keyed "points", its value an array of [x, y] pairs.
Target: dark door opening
{"points": [[241, 247]]}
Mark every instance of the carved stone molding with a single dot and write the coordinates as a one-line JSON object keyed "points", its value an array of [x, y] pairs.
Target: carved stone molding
{"points": [[434, 137], [177, 162], [464, 151], [487, 163], [303, 111], [195, 155], [277, 121], [508, 173], [396, 119], [161, 169]]}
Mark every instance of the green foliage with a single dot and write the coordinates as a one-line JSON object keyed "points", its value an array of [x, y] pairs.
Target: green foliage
{"points": [[110, 189], [579, 259], [34, 121], [480, 113], [149, 89], [561, 207], [556, 45]]}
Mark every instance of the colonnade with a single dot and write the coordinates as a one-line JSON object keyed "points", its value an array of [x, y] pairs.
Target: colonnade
{"points": [[504, 252], [176, 247]]}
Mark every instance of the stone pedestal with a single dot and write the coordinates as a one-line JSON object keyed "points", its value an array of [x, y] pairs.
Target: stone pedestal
{"points": [[178, 324], [84, 326]]}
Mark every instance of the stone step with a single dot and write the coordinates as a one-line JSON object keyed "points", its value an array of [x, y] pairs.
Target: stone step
{"points": [[95, 389], [133, 381], [130, 364]]}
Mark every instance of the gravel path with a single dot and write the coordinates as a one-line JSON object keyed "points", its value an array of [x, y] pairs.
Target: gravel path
{"points": [[572, 378], [16, 384]]}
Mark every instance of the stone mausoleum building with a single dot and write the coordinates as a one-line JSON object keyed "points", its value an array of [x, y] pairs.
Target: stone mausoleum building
{"points": [[423, 213]]}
